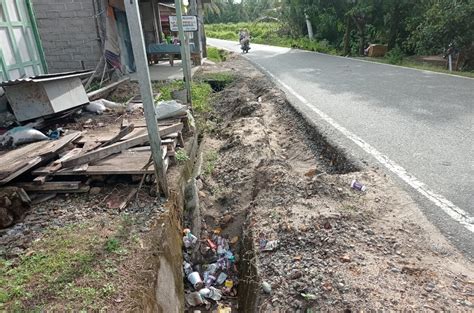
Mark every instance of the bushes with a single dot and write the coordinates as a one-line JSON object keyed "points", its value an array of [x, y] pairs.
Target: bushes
{"points": [[267, 33], [395, 56]]}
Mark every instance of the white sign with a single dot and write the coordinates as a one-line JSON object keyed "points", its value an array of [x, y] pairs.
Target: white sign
{"points": [[189, 23]]}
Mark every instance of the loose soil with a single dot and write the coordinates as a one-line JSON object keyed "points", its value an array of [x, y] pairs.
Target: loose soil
{"points": [[267, 176]]}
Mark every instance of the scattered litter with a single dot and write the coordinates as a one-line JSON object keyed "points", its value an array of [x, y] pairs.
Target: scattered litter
{"points": [[224, 309], [55, 134], [133, 106], [194, 298], [21, 135], [171, 108], [189, 239], [96, 107], [111, 105], [358, 186], [267, 287], [309, 296], [270, 245], [195, 280]]}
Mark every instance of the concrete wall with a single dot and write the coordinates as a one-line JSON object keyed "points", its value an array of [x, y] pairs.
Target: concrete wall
{"points": [[68, 33]]}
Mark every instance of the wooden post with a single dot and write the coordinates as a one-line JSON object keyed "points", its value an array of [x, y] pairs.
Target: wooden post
{"points": [[157, 21], [185, 59], [194, 10], [139, 52]]}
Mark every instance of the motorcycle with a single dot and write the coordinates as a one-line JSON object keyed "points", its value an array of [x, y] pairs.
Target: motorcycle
{"points": [[245, 45]]}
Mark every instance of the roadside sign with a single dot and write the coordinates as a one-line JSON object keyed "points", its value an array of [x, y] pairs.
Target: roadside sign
{"points": [[189, 23]]}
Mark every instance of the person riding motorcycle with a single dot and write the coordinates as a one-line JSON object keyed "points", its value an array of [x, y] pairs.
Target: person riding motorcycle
{"points": [[244, 40]]}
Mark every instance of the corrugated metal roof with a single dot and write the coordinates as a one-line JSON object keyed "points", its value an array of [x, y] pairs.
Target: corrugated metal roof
{"points": [[46, 77]]}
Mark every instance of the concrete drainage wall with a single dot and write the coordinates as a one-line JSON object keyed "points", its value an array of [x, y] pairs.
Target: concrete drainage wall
{"points": [[165, 291]]}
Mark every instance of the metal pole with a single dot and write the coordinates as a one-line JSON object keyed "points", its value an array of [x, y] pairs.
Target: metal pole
{"points": [[184, 51], [139, 53], [309, 26]]}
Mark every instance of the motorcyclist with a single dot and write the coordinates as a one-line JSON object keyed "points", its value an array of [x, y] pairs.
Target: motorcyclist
{"points": [[244, 38]]}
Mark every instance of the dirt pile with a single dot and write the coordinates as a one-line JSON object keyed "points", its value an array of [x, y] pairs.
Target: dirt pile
{"points": [[315, 242]]}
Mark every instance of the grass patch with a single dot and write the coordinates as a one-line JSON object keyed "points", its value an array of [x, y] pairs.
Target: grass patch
{"points": [[216, 55], [70, 267], [200, 93], [210, 160], [181, 156]]}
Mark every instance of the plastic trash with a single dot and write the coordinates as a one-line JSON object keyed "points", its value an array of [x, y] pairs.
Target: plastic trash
{"points": [[266, 287], [171, 108], [96, 107], [194, 298], [358, 186], [21, 135], [209, 281], [111, 105], [221, 278], [55, 134], [195, 280], [133, 106], [270, 245], [189, 239], [214, 294], [224, 309], [188, 269]]}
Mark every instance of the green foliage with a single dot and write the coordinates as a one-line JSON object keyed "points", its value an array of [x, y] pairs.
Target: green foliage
{"points": [[210, 159], [112, 245], [216, 55], [421, 27], [181, 156], [200, 93], [270, 34], [395, 56]]}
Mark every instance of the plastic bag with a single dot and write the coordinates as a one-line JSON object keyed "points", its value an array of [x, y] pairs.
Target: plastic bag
{"points": [[111, 105], [166, 109], [96, 107], [21, 135]]}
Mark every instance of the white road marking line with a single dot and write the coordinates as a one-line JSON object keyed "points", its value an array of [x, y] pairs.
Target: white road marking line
{"points": [[447, 206]]}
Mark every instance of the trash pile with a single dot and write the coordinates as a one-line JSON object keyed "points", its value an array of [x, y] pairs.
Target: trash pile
{"points": [[210, 271]]}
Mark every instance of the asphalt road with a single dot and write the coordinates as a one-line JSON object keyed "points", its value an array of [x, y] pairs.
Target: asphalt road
{"points": [[418, 125]]}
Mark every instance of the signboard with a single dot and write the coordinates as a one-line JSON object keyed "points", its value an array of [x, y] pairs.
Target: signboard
{"points": [[189, 23]]}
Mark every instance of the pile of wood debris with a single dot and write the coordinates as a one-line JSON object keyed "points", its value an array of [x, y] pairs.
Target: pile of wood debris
{"points": [[93, 148]]}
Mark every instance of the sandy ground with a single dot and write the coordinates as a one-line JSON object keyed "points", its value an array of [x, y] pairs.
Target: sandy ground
{"points": [[337, 248]]}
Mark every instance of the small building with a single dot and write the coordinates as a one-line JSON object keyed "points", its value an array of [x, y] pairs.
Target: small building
{"points": [[50, 36]]}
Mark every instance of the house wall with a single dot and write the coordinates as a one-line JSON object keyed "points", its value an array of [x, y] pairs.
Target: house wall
{"points": [[68, 33]]}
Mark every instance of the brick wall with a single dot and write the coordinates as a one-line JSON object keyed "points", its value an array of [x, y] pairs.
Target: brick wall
{"points": [[68, 33]]}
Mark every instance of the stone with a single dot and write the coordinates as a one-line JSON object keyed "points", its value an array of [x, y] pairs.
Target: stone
{"points": [[345, 258], [95, 190]]}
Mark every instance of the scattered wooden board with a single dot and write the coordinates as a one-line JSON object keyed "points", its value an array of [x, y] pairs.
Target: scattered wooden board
{"points": [[19, 161], [64, 187], [118, 147]]}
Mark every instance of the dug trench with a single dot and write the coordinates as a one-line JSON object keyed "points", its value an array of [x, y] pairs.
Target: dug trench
{"points": [[271, 206]]}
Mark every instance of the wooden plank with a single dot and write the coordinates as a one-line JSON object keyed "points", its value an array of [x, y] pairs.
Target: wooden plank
{"points": [[19, 161], [56, 165], [122, 133], [96, 94], [51, 186], [118, 147]]}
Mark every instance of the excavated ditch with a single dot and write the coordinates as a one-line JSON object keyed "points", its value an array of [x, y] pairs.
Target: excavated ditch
{"points": [[278, 192], [255, 137]]}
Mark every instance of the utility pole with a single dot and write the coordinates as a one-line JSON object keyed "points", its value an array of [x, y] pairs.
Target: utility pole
{"points": [[185, 55], [309, 26], [138, 46]]}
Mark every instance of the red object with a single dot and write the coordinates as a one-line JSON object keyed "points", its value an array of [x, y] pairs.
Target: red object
{"points": [[211, 244]]}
